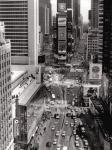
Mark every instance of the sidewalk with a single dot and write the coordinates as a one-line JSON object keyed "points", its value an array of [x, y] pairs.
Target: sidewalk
{"points": [[41, 133], [34, 124], [38, 137]]}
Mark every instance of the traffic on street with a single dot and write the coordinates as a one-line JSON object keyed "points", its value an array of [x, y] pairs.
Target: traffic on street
{"points": [[62, 125]]}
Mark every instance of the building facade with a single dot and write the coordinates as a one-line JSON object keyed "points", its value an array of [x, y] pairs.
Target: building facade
{"points": [[100, 30], [6, 126], [94, 13], [21, 26], [92, 46], [105, 35], [76, 11], [76, 18], [45, 16], [63, 32], [47, 27]]}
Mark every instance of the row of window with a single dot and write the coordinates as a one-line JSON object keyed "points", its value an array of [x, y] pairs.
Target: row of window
{"points": [[3, 74], [13, 9], [9, 22], [23, 44], [17, 34], [13, 19], [14, 6], [17, 27], [19, 49], [6, 13], [19, 38], [4, 64], [14, 2], [19, 54], [3, 56], [16, 30], [21, 41], [3, 92], [3, 83]]}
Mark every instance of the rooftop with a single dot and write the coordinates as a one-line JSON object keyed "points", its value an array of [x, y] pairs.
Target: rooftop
{"points": [[16, 74], [27, 94]]}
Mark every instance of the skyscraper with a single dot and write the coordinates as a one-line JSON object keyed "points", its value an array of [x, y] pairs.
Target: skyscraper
{"points": [[21, 26], [63, 32], [45, 15], [69, 4], [100, 30], [76, 12], [105, 35], [6, 131], [47, 27], [94, 13], [76, 18]]}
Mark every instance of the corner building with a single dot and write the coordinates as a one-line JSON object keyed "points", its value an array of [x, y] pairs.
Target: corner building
{"points": [[6, 131], [22, 28]]}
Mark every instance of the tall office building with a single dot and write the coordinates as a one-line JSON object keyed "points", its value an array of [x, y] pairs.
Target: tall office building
{"points": [[6, 131], [94, 13], [76, 18], [69, 3], [105, 35], [47, 27], [21, 26], [100, 30], [63, 32], [76, 12], [45, 16]]}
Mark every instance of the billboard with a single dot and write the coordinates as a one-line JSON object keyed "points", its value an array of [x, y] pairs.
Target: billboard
{"points": [[61, 7], [61, 46], [89, 90], [62, 33], [15, 128], [95, 71], [62, 21]]}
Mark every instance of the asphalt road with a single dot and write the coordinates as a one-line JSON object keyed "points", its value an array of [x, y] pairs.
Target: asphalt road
{"points": [[50, 134], [59, 125]]}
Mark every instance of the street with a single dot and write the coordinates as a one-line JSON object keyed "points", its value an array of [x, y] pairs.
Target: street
{"points": [[61, 127], [60, 130]]}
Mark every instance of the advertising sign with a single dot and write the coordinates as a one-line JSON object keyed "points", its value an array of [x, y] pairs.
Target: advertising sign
{"points": [[95, 71], [62, 33], [16, 127], [61, 46], [89, 88], [61, 7], [61, 21]]}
